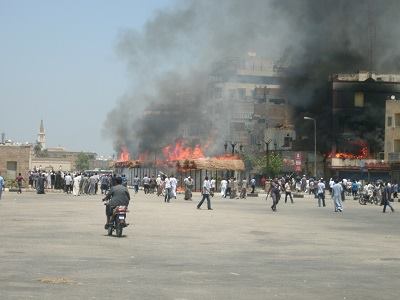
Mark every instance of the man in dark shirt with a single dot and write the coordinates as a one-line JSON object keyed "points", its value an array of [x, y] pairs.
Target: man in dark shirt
{"points": [[19, 180], [117, 196]]}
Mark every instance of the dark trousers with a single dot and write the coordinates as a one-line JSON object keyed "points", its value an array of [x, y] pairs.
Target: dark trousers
{"points": [[228, 191], [387, 203], [136, 187], [146, 188], [205, 196], [167, 194], [275, 200], [290, 195], [252, 189], [321, 199]]}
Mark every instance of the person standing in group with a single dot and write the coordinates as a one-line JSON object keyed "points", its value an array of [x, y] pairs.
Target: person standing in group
{"points": [[288, 191], [40, 183], [354, 188], [77, 182], [243, 191], [92, 184], [188, 188], [146, 184], [174, 184], [1, 185], [136, 182], [213, 186], [321, 193], [159, 183], [337, 190], [68, 183], [386, 197], [223, 186], [104, 184], [167, 184], [206, 194], [19, 180]]}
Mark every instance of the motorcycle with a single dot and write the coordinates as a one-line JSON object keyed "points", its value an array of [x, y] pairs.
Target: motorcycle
{"points": [[118, 221], [372, 199]]}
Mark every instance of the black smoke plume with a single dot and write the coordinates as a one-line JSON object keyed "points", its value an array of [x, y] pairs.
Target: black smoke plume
{"points": [[170, 60]]}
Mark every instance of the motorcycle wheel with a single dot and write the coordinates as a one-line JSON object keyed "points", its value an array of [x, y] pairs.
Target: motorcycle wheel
{"points": [[110, 229], [362, 201], [376, 201], [118, 230]]}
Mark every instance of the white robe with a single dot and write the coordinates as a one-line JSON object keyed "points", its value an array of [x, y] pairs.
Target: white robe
{"points": [[75, 189], [48, 184], [173, 183], [224, 184]]}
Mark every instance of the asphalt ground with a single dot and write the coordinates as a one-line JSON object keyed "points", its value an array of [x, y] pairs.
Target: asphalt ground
{"points": [[54, 246]]}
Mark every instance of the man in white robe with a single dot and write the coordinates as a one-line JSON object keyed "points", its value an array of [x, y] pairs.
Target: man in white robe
{"points": [[77, 181], [174, 184]]}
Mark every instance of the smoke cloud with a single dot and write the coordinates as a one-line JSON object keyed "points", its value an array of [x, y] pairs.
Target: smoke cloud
{"points": [[170, 60]]}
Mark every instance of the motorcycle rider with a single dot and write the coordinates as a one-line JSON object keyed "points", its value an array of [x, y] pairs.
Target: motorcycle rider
{"points": [[117, 196]]}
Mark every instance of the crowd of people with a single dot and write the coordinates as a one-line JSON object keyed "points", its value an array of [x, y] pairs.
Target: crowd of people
{"points": [[85, 183], [385, 192], [75, 183]]}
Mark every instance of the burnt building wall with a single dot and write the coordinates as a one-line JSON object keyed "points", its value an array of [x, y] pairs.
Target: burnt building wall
{"points": [[358, 114]]}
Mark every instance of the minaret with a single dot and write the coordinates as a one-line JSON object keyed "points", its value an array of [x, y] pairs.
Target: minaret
{"points": [[42, 136]]}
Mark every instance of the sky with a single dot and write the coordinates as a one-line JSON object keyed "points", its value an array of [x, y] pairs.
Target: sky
{"points": [[58, 62]]}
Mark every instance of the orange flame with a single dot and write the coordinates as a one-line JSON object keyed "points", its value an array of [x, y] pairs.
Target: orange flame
{"points": [[181, 152], [343, 155], [124, 154]]}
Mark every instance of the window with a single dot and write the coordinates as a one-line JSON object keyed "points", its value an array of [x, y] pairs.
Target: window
{"points": [[397, 120], [277, 101], [11, 169], [359, 99], [389, 121], [241, 93], [396, 146]]}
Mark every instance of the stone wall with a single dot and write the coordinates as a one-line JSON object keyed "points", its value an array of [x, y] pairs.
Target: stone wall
{"points": [[14, 160]]}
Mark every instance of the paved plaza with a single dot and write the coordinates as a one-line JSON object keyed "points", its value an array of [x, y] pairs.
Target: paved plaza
{"points": [[53, 246]]}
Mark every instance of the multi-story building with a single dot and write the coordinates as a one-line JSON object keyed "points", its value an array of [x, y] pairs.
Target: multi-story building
{"points": [[392, 130], [358, 111], [361, 141], [248, 91]]}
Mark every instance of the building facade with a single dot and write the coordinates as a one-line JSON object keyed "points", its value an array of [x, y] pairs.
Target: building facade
{"points": [[15, 159], [392, 130], [358, 111]]}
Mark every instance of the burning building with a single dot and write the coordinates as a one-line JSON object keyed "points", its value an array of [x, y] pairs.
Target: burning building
{"points": [[358, 121]]}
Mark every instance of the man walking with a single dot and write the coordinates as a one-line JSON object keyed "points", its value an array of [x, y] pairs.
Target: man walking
{"points": [[275, 193], [19, 180], [206, 194], [288, 191], [337, 190], [386, 197], [321, 193]]}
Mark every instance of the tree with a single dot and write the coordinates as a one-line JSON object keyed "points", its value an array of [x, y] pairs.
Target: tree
{"points": [[82, 161], [37, 149], [270, 165]]}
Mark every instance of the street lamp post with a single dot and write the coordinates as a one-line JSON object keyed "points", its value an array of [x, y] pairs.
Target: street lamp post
{"points": [[266, 142], [315, 144]]}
